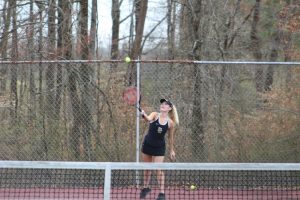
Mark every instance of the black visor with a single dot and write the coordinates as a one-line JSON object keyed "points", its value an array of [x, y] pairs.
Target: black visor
{"points": [[167, 101]]}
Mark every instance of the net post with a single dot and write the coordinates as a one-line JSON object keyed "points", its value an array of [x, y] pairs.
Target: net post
{"points": [[107, 182], [137, 118]]}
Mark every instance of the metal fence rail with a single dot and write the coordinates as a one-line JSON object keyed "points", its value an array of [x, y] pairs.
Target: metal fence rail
{"points": [[233, 111]]}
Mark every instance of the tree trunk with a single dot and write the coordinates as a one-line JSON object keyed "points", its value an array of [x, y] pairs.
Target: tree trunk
{"points": [[287, 57], [50, 71], [198, 145], [255, 47], [32, 86], [75, 132], [14, 56], [3, 45], [5, 33], [115, 14], [52, 120], [287, 45], [75, 102], [43, 155], [219, 114], [93, 30], [64, 46], [273, 58], [184, 27], [140, 16], [14, 77], [171, 29], [86, 73]]}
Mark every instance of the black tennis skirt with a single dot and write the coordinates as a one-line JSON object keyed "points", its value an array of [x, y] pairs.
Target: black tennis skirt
{"points": [[153, 151]]}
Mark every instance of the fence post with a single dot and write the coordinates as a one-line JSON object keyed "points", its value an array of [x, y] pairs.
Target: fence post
{"points": [[138, 117]]}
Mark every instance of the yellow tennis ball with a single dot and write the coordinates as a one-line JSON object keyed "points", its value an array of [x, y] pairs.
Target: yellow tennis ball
{"points": [[127, 59], [193, 187]]}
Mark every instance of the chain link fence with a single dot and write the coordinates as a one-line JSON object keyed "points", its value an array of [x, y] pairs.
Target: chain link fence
{"points": [[73, 111]]}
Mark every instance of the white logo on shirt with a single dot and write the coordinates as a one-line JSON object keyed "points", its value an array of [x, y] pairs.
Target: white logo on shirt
{"points": [[159, 130]]}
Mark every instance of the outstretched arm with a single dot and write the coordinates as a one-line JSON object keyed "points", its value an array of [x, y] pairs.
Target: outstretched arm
{"points": [[150, 117], [171, 140]]}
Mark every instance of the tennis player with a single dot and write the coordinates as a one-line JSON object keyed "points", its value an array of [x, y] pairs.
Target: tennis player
{"points": [[154, 145]]}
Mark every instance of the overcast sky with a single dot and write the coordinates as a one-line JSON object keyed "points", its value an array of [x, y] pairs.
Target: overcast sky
{"points": [[156, 11], [105, 22]]}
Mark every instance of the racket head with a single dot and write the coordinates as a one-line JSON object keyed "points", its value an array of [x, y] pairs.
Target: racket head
{"points": [[131, 95]]}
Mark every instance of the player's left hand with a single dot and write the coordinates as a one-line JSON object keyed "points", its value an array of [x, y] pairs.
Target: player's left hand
{"points": [[172, 155]]}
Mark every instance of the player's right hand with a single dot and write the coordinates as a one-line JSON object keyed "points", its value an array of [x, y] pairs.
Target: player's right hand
{"points": [[143, 113]]}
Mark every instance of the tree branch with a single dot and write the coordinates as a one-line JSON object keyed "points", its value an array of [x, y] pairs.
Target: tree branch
{"points": [[152, 30]]}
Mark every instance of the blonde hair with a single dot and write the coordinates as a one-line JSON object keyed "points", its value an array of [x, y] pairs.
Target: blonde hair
{"points": [[174, 115]]}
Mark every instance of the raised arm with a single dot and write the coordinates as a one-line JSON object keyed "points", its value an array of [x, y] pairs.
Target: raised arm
{"points": [[150, 117]]}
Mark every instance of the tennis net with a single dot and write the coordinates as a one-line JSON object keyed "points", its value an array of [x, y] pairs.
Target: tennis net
{"points": [[92, 180]]}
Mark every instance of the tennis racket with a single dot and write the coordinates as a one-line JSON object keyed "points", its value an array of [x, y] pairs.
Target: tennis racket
{"points": [[132, 97]]}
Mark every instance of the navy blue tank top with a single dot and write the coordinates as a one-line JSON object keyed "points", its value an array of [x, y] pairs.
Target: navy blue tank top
{"points": [[156, 133]]}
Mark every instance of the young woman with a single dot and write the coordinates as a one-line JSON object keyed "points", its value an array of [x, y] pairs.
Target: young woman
{"points": [[154, 145]]}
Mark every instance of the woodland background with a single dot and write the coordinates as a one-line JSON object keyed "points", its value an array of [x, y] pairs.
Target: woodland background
{"points": [[57, 110]]}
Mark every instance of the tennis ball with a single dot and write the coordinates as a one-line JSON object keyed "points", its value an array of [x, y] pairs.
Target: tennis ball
{"points": [[127, 59], [193, 187]]}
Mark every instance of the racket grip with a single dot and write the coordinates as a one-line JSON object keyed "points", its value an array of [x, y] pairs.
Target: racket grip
{"points": [[140, 109]]}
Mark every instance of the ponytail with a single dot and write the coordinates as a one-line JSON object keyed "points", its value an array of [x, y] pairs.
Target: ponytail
{"points": [[174, 115]]}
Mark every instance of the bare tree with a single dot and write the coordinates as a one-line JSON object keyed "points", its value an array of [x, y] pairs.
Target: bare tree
{"points": [[230, 24], [40, 53], [6, 16], [195, 18], [171, 15], [14, 57], [42, 150], [62, 12], [256, 46], [50, 71], [73, 75], [31, 56], [268, 80], [287, 35], [64, 46], [141, 7], [75, 132], [115, 14], [93, 30], [183, 28], [14, 99], [86, 78]]}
